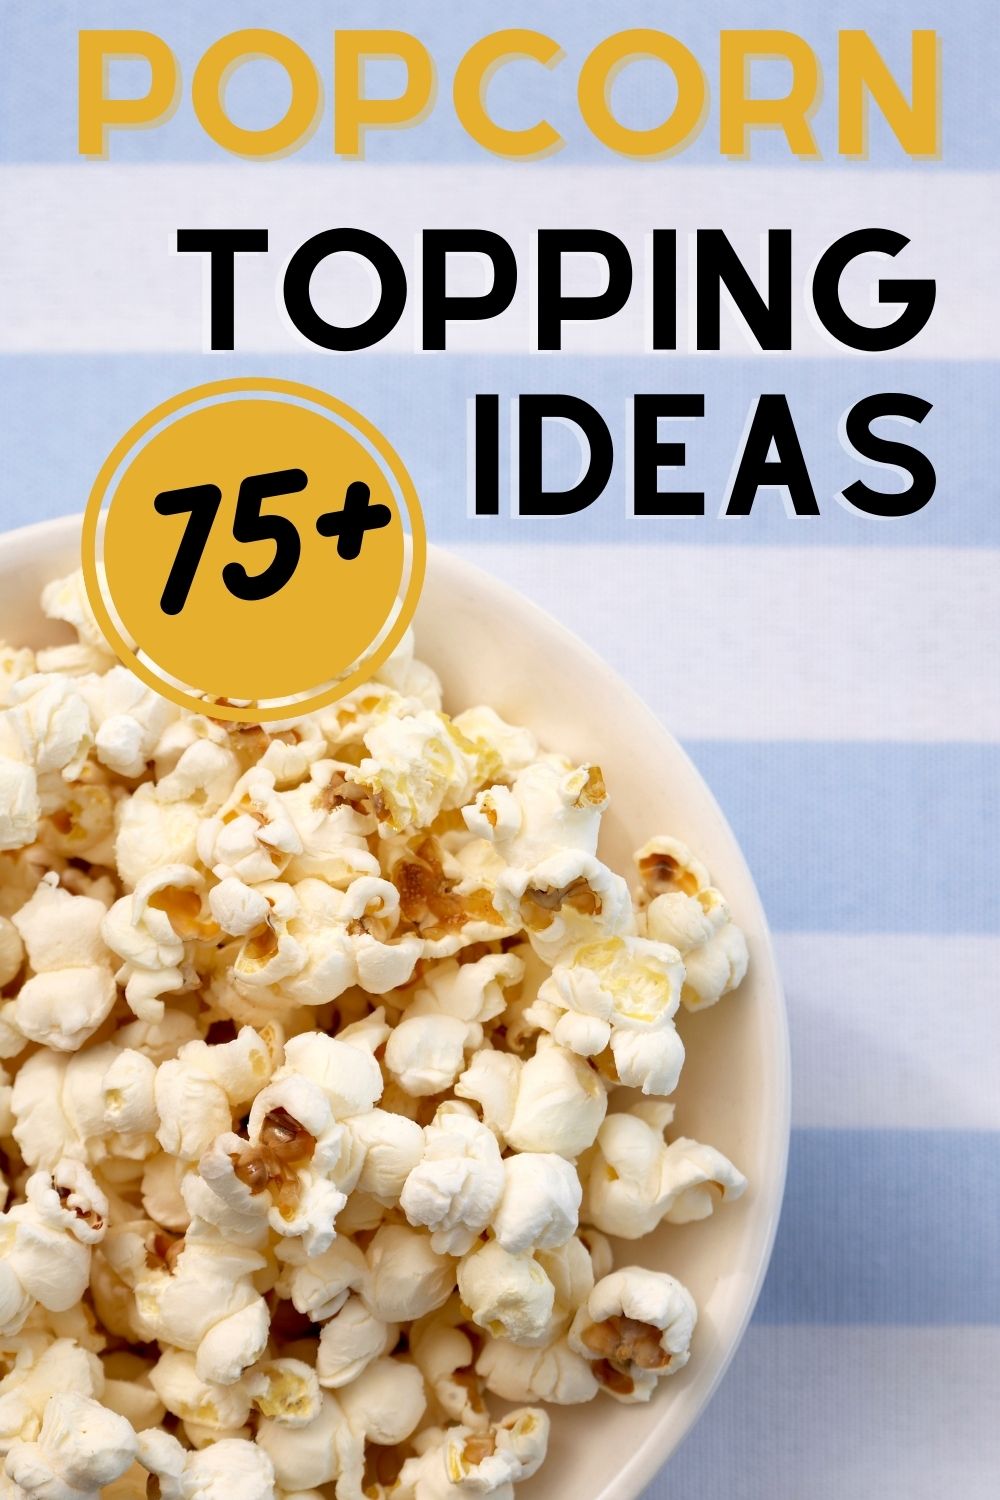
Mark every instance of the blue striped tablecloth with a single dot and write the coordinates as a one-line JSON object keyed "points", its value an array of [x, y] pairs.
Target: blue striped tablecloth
{"points": [[835, 678]]}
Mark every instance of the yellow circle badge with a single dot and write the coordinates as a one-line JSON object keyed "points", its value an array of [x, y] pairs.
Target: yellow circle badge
{"points": [[253, 548]]}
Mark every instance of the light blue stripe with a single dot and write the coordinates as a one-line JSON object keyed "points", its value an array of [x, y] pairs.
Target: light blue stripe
{"points": [[887, 1227], [62, 414], [846, 1414], [866, 837], [38, 72]]}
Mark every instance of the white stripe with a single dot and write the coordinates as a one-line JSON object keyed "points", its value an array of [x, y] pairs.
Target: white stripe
{"points": [[88, 263], [893, 1031], [831, 643], [831, 1413]]}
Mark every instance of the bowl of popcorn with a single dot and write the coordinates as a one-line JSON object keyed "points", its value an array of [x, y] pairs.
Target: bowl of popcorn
{"points": [[394, 1101]]}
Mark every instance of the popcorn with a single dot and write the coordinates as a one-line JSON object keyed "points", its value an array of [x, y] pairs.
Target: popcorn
{"points": [[61, 1008], [154, 830], [466, 1462], [292, 748], [72, 990], [66, 599], [196, 1294], [87, 1104], [392, 1147], [319, 1286], [550, 806], [349, 1341], [154, 930], [333, 818], [238, 909], [252, 836], [570, 1268], [306, 1457], [346, 1072], [687, 911], [553, 1373], [197, 1091], [636, 1327], [163, 1177], [635, 1181], [408, 1276], [540, 1204], [563, 900], [11, 951], [445, 1353], [545, 829], [219, 1192], [386, 1402], [296, 1152], [622, 992], [43, 1367], [509, 1295], [47, 725], [128, 1094], [20, 808], [233, 1343], [78, 823], [313, 1030], [285, 1391], [16, 662], [129, 720], [45, 1243], [345, 722], [204, 1301], [500, 748], [456, 1188], [554, 1102], [163, 1039], [81, 1447], [446, 897], [319, 941], [425, 1054], [229, 1467], [417, 765], [469, 992]]}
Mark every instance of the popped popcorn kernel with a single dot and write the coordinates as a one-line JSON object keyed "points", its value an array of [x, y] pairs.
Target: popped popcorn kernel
{"points": [[635, 1327]]}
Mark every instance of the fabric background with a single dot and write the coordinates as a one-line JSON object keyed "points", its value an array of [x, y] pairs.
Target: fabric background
{"points": [[835, 678]]}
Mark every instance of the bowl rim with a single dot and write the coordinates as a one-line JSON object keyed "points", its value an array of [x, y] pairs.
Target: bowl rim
{"points": [[659, 1444]]}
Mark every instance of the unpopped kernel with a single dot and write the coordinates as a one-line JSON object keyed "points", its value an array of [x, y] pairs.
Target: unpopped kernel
{"points": [[332, 1050]]}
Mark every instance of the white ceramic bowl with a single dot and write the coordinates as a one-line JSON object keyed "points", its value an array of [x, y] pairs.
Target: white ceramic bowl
{"points": [[491, 645]]}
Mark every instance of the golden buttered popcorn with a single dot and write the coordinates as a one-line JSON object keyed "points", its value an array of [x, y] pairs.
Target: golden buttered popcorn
{"points": [[254, 548]]}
